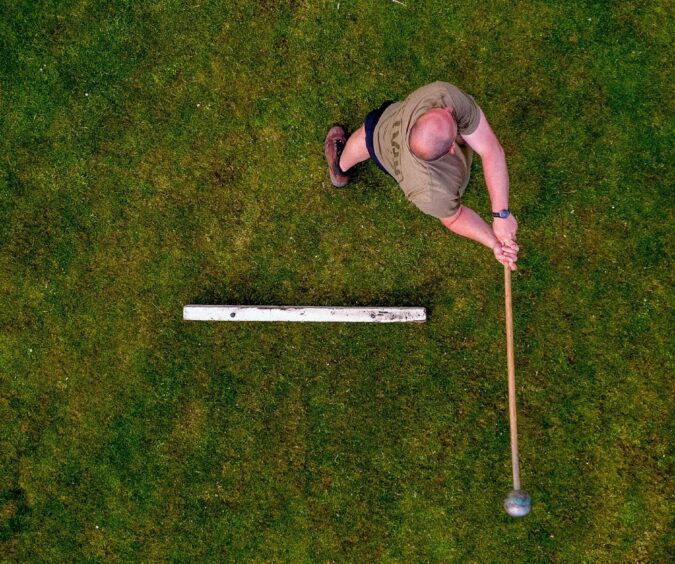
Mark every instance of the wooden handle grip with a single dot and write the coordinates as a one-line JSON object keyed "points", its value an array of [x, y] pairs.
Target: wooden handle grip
{"points": [[510, 362]]}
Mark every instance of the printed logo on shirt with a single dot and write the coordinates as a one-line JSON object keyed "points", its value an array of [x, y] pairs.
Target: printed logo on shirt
{"points": [[396, 150]]}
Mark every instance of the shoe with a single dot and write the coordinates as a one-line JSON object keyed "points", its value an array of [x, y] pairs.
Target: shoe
{"points": [[332, 148]]}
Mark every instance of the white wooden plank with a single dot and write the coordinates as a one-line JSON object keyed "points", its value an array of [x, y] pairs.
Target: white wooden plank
{"points": [[305, 314]]}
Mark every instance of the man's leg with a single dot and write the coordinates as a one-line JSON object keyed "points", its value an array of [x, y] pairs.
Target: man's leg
{"points": [[342, 153], [355, 150]]}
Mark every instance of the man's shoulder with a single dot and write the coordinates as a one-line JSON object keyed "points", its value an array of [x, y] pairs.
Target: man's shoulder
{"points": [[438, 87]]}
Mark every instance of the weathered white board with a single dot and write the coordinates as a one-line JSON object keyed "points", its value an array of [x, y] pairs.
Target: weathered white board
{"points": [[305, 314]]}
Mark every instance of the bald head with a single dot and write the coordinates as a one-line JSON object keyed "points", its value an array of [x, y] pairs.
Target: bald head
{"points": [[433, 134]]}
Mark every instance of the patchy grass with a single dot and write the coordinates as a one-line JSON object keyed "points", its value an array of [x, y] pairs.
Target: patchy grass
{"points": [[157, 154]]}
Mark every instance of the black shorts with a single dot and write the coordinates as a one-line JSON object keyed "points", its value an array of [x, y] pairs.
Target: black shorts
{"points": [[369, 123]]}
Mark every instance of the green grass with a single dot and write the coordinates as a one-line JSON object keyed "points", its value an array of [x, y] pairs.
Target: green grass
{"points": [[155, 154]]}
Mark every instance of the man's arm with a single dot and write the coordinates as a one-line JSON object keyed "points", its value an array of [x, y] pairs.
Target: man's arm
{"points": [[468, 223], [486, 144]]}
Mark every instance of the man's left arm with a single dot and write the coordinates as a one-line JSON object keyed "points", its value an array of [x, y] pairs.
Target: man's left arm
{"points": [[486, 144]]}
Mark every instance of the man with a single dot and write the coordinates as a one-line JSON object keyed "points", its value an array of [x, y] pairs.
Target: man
{"points": [[426, 144]]}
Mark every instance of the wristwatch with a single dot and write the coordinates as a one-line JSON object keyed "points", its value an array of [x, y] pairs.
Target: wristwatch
{"points": [[501, 214]]}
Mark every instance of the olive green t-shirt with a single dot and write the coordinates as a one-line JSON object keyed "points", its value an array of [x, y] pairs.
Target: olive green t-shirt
{"points": [[435, 187]]}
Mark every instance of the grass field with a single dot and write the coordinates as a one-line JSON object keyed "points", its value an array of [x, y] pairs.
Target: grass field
{"points": [[155, 154]]}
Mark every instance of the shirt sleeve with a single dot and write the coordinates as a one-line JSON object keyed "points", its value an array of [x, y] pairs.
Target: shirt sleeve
{"points": [[465, 110]]}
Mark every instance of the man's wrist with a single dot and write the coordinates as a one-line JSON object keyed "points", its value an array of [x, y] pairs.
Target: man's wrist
{"points": [[501, 214]]}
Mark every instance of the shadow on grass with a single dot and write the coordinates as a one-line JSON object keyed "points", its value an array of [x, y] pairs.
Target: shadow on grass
{"points": [[426, 295]]}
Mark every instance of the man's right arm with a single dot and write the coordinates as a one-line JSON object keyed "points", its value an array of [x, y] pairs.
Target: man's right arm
{"points": [[486, 144]]}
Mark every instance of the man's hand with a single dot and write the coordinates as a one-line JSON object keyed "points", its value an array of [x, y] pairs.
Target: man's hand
{"points": [[468, 223], [506, 255], [506, 249], [505, 229]]}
